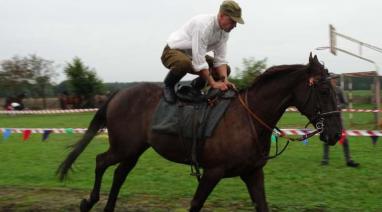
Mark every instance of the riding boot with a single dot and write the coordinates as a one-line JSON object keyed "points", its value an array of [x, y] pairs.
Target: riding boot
{"points": [[169, 82], [325, 159], [345, 146], [198, 83], [349, 161]]}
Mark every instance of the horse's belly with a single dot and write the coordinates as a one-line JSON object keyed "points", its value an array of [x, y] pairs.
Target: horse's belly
{"points": [[170, 147]]}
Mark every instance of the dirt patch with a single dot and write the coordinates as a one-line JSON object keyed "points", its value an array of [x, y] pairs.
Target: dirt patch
{"points": [[44, 200], [20, 199]]}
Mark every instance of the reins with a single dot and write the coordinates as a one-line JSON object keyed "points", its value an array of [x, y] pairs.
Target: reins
{"points": [[279, 132]]}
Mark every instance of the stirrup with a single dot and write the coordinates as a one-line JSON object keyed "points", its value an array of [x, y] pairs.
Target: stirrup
{"points": [[195, 172]]}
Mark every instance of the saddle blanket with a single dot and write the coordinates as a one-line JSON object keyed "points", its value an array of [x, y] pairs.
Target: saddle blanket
{"points": [[190, 119]]}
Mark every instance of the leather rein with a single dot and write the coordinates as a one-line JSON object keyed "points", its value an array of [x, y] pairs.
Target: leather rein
{"points": [[279, 133]]}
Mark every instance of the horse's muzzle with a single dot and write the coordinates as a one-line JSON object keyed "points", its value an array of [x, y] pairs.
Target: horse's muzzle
{"points": [[331, 141]]}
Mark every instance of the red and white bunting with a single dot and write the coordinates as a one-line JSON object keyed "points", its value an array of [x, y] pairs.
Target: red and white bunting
{"points": [[286, 131], [54, 130], [292, 109], [10, 112], [47, 111]]}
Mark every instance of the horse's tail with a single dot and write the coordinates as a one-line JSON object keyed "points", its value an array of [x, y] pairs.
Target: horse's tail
{"points": [[97, 123]]}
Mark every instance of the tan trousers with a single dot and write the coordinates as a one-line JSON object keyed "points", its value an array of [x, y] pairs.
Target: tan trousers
{"points": [[179, 63]]}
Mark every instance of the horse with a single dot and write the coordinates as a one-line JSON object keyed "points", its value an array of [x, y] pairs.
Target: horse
{"points": [[239, 146], [69, 102]]}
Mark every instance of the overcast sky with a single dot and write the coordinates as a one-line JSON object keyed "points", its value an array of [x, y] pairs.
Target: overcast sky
{"points": [[123, 39]]}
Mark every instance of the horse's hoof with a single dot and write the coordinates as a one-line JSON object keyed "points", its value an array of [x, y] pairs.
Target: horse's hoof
{"points": [[83, 205]]}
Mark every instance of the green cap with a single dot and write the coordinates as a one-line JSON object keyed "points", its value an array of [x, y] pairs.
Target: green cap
{"points": [[232, 9]]}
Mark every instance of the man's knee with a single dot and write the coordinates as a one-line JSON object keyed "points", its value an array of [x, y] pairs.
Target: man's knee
{"points": [[182, 67]]}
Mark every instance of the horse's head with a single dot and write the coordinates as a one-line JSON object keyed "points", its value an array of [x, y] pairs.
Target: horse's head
{"points": [[316, 99]]}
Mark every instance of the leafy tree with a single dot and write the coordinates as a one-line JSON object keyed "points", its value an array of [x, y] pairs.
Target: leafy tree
{"points": [[30, 74], [43, 72], [83, 81], [245, 76], [15, 76]]}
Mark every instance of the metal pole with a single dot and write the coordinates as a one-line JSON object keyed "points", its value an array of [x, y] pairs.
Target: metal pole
{"points": [[377, 97], [351, 100]]}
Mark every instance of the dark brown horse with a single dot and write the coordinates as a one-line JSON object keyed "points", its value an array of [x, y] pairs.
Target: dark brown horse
{"points": [[69, 102], [240, 145]]}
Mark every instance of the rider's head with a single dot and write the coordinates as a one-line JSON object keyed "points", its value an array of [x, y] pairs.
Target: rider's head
{"points": [[229, 15], [333, 78]]}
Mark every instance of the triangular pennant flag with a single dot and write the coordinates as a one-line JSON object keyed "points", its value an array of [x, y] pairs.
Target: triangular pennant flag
{"points": [[26, 134], [69, 130], [7, 133], [342, 138], [305, 141], [273, 138], [46, 134]]}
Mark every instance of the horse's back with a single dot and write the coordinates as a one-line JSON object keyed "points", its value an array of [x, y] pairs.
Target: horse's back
{"points": [[130, 112]]}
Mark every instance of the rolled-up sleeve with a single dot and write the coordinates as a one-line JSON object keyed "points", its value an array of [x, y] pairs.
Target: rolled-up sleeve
{"points": [[199, 50], [220, 53]]}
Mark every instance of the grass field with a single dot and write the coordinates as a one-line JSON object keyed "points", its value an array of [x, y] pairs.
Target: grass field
{"points": [[294, 182]]}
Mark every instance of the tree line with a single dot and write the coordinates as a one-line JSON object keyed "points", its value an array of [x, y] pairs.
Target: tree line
{"points": [[34, 76]]}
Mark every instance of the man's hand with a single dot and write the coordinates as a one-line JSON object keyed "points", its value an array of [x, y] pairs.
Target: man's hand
{"points": [[230, 84], [219, 85]]}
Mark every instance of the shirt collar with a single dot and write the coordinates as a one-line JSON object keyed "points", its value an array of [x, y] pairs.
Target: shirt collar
{"points": [[216, 24]]}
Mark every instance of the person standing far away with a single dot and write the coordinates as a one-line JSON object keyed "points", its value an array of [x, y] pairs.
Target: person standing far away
{"points": [[187, 48], [341, 104]]}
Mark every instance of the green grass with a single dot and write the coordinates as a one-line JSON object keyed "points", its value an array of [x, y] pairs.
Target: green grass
{"points": [[76, 120], [294, 182]]}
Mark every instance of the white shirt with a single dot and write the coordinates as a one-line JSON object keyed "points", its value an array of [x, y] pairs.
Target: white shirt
{"points": [[198, 36]]}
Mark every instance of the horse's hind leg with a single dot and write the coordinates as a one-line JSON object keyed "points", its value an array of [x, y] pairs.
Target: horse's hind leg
{"points": [[255, 185], [103, 161], [120, 175]]}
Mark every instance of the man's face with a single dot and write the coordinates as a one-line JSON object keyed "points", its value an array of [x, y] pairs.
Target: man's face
{"points": [[226, 23]]}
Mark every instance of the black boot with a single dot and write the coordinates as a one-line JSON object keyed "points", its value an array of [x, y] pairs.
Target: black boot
{"points": [[352, 163], [198, 83], [169, 83]]}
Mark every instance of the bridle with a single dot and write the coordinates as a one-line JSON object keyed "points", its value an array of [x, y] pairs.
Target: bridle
{"points": [[319, 116], [313, 92]]}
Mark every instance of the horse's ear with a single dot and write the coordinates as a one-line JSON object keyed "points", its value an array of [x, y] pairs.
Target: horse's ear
{"points": [[310, 58], [315, 59]]}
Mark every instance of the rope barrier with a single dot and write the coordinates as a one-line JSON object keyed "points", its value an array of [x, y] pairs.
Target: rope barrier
{"points": [[82, 130], [11, 112], [14, 112], [53, 130]]}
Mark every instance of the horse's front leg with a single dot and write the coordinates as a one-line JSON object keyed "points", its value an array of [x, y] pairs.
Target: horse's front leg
{"points": [[207, 183], [255, 185]]}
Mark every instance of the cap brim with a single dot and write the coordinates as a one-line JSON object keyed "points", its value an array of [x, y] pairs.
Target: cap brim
{"points": [[334, 76], [238, 19]]}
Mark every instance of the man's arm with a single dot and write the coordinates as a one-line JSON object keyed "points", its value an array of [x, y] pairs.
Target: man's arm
{"points": [[220, 62], [223, 75], [199, 50], [342, 100]]}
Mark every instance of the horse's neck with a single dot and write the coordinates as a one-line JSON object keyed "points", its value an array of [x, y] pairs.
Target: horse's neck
{"points": [[271, 100]]}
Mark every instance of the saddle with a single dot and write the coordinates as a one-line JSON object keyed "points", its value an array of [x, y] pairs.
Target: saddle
{"points": [[194, 113], [186, 93], [193, 117]]}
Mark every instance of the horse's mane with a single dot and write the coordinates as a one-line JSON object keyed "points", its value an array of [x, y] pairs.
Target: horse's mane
{"points": [[276, 72]]}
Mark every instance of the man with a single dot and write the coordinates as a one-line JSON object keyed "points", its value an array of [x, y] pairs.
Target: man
{"points": [[341, 104], [186, 50]]}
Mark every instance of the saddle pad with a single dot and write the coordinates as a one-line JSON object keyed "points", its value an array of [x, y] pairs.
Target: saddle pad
{"points": [[188, 120]]}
